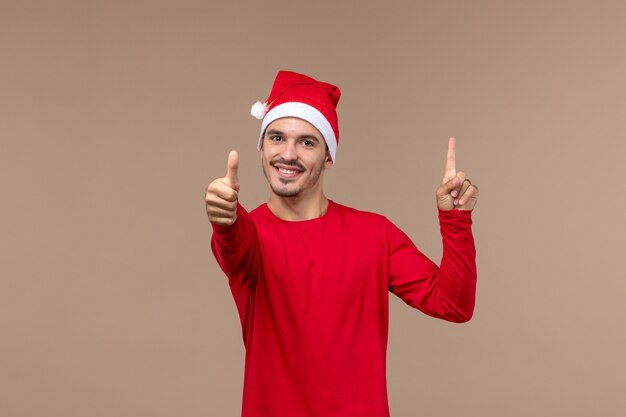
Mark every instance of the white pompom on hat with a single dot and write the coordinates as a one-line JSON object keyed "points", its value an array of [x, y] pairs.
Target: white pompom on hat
{"points": [[298, 95], [259, 110]]}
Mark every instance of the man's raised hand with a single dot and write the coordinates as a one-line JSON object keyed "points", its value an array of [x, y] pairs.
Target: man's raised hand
{"points": [[455, 191], [222, 194]]}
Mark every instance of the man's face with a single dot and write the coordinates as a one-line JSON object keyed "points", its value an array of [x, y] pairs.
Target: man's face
{"points": [[294, 156]]}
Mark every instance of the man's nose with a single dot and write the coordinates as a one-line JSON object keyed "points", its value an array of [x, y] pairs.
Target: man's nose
{"points": [[289, 151]]}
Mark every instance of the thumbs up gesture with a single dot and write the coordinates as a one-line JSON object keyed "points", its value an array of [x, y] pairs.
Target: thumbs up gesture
{"points": [[456, 191], [222, 194]]}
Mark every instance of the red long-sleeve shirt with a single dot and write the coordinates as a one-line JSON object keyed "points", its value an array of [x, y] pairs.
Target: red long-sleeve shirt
{"points": [[313, 301]]}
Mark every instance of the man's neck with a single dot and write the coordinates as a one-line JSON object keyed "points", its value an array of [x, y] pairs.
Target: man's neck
{"points": [[298, 209]]}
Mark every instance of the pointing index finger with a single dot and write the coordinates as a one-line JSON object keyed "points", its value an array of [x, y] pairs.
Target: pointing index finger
{"points": [[450, 170]]}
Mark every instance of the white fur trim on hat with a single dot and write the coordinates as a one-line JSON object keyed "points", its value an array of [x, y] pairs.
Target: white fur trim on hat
{"points": [[304, 112]]}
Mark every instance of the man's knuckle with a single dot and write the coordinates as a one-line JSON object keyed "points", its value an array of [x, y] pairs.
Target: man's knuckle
{"points": [[231, 195]]}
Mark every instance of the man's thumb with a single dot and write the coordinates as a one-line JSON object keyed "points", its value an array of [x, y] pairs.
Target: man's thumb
{"points": [[231, 170]]}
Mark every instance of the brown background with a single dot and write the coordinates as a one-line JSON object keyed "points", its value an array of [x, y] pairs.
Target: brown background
{"points": [[115, 115]]}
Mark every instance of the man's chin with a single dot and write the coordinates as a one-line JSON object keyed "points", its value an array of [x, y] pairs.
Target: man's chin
{"points": [[286, 192]]}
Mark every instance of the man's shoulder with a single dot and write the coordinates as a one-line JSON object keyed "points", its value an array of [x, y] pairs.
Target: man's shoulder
{"points": [[261, 212], [358, 214]]}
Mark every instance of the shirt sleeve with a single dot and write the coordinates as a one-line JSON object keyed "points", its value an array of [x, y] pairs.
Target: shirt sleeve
{"points": [[237, 249], [238, 252], [447, 291]]}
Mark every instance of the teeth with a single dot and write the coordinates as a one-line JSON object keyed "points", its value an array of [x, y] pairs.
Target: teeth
{"points": [[287, 171]]}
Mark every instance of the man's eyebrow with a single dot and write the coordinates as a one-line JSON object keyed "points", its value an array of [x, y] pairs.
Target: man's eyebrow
{"points": [[274, 132], [305, 136], [309, 136]]}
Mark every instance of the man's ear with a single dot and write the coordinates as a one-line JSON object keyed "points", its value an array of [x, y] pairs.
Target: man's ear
{"points": [[328, 162]]}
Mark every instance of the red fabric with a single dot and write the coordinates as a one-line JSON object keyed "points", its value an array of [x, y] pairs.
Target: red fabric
{"points": [[291, 86], [313, 301]]}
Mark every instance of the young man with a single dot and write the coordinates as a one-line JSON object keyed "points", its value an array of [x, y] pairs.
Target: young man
{"points": [[311, 277]]}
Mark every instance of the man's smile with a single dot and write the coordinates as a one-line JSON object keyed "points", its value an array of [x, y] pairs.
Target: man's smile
{"points": [[287, 170]]}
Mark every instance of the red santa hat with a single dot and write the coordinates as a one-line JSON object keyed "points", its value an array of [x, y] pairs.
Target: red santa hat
{"points": [[298, 95]]}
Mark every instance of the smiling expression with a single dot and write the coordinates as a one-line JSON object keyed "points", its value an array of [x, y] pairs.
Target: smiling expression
{"points": [[294, 157]]}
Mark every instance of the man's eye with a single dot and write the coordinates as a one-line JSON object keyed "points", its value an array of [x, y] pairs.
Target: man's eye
{"points": [[276, 138], [308, 143]]}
